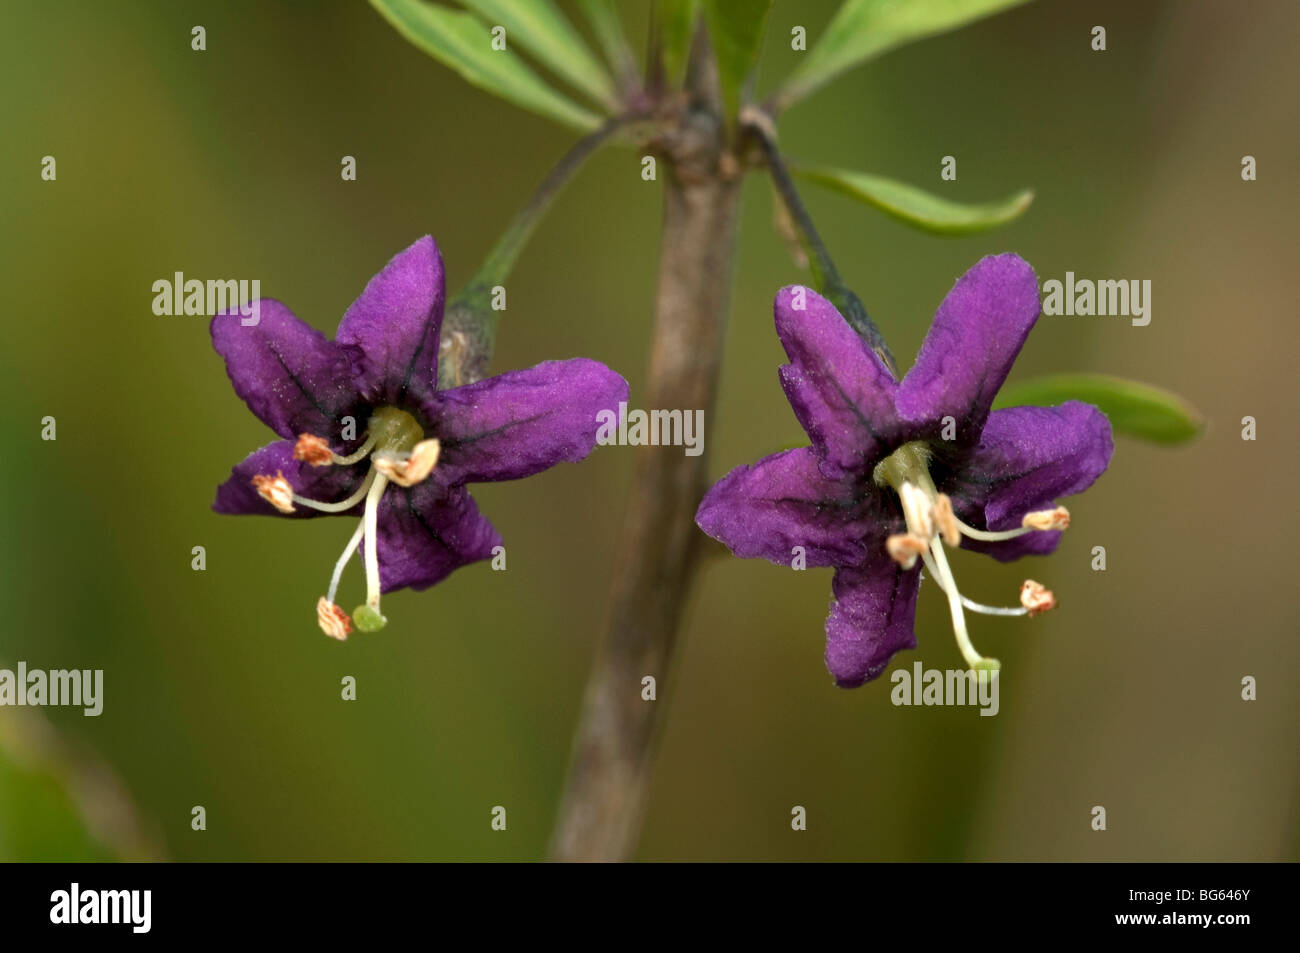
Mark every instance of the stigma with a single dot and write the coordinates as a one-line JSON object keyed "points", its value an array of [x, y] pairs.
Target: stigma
{"points": [[931, 522], [394, 450]]}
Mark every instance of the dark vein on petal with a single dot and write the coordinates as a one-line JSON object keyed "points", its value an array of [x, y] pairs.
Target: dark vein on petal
{"points": [[419, 349], [852, 405], [462, 441], [419, 517], [270, 346]]}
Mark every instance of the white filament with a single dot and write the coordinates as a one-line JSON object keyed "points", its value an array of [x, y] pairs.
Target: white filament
{"points": [[360, 453], [343, 560], [342, 505], [372, 543], [949, 585], [971, 604], [990, 537]]}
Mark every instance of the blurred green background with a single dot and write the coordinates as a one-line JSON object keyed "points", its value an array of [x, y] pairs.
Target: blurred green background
{"points": [[220, 690]]}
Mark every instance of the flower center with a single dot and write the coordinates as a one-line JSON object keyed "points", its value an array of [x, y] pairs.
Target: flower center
{"points": [[394, 430], [394, 450], [931, 522]]}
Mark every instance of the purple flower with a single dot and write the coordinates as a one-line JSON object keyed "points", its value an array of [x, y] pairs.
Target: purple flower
{"points": [[366, 431], [896, 470]]}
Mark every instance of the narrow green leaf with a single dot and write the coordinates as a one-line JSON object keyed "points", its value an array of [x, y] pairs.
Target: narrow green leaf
{"points": [[675, 23], [539, 27], [41, 820], [919, 208], [1136, 409], [605, 23], [863, 29], [58, 801], [736, 29], [460, 41]]}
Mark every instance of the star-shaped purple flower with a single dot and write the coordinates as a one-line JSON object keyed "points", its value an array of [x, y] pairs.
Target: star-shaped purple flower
{"points": [[366, 431], [898, 469]]}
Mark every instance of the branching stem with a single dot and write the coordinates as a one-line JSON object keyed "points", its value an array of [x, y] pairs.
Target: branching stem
{"points": [[825, 275], [469, 328]]}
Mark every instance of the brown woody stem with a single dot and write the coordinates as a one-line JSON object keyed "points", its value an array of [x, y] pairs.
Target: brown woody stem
{"points": [[604, 804]]}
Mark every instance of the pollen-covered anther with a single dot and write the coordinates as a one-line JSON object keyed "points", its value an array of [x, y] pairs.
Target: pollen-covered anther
{"points": [[1036, 597], [1058, 518], [409, 469], [275, 490], [334, 622], [313, 450], [905, 549], [946, 520]]}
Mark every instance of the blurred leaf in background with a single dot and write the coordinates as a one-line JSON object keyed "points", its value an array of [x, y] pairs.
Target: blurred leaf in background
{"points": [[461, 41], [919, 208], [1134, 408], [540, 28], [608, 26], [864, 29], [59, 802], [736, 30], [672, 28]]}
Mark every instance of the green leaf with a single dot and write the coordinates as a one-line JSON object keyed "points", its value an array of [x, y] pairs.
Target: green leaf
{"points": [[1136, 409], [59, 802], [675, 24], [863, 29], [607, 26], [540, 28], [459, 40], [919, 208], [736, 29]]}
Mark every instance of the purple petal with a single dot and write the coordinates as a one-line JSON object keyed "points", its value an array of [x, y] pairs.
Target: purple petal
{"points": [[522, 422], [783, 501], [1027, 458], [870, 619], [392, 329], [291, 376], [976, 335], [428, 531], [840, 391], [236, 497]]}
